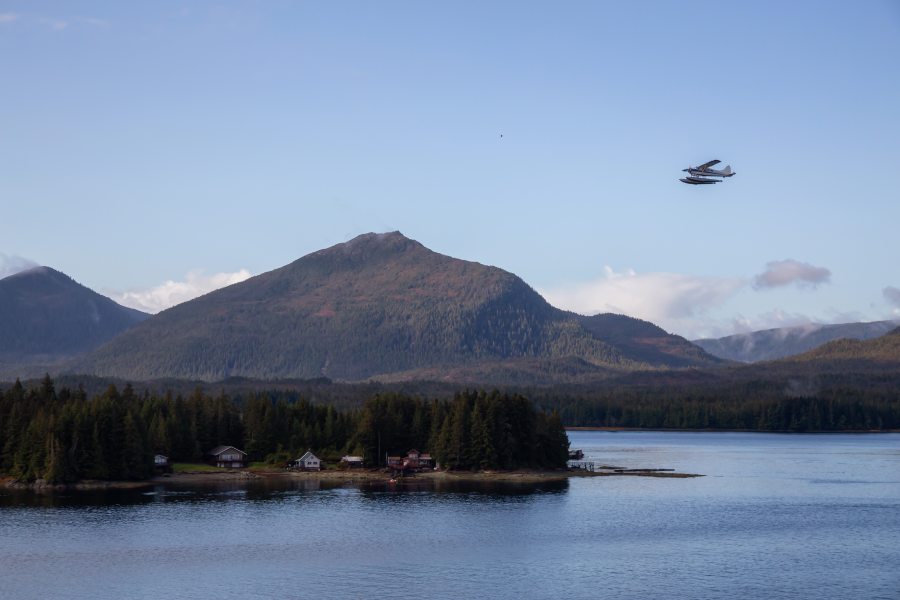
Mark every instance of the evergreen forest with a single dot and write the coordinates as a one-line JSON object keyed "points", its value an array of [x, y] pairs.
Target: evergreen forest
{"points": [[65, 436]]}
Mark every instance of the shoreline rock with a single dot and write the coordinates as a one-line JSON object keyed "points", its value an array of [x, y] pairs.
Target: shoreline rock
{"points": [[350, 476]]}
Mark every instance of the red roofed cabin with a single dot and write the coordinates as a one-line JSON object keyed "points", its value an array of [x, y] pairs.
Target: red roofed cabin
{"points": [[228, 457], [413, 461], [417, 460]]}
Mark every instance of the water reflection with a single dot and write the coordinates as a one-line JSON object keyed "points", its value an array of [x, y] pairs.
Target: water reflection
{"points": [[278, 489]]}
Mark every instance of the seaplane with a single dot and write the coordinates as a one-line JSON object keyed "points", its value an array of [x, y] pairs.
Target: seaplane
{"points": [[705, 174]]}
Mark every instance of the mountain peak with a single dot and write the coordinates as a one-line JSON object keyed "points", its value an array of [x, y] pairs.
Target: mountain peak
{"points": [[387, 238], [37, 271], [40, 279], [45, 316], [370, 245]]}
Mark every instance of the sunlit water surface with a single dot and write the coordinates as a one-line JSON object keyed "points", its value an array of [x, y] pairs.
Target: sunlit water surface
{"points": [[777, 516]]}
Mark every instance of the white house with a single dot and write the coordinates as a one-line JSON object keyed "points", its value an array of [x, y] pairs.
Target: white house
{"points": [[308, 462], [160, 460]]}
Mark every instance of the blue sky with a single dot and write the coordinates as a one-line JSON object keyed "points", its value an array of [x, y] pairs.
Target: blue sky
{"points": [[153, 151]]}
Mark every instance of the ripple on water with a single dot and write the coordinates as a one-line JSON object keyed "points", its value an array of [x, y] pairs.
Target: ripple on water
{"points": [[808, 516]]}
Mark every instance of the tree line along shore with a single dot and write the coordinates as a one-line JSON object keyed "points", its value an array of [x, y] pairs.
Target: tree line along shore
{"points": [[66, 434], [61, 436]]}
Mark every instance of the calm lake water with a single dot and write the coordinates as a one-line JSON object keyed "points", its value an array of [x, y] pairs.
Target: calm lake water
{"points": [[777, 516]]}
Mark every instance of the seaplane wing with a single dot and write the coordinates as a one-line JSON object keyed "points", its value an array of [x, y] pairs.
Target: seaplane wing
{"points": [[705, 166]]}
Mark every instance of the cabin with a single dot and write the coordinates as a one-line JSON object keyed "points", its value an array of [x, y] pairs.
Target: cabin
{"points": [[228, 457], [352, 462], [161, 464], [413, 461], [308, 462], [425, 461]]}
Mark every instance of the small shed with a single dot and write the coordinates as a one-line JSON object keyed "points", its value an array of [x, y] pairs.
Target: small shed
{"points": [[228, 457], [352, 462], [160, 460], [308, 462]]}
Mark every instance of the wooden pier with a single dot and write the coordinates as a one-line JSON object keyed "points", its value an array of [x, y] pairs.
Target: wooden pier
{"points": [[584, 465]]}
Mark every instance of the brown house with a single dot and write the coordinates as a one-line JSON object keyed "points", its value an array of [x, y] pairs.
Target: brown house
{"points": [[413, 461], [228, 457], [418, 460]]}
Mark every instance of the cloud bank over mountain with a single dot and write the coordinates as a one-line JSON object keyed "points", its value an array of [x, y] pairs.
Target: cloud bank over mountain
{"points": [[682, 302], [672, 300], [892, 295], [169, 293], [10, 264]]}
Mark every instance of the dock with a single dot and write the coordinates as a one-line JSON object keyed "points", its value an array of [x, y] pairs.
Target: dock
{"points": [[593, 467], [584, 465]]}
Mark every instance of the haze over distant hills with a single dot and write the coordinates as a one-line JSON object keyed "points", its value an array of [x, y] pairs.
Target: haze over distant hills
{"points": [[876, 352], [772, 344], [47, 317], [383, 305]]}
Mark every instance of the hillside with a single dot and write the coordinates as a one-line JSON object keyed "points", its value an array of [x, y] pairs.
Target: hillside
{"points": [[47, 317], [376, 305], [772, 344], [643, 341], [884, 350]]}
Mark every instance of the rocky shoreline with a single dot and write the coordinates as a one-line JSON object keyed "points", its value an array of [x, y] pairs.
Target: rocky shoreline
{"points": [[349, 476]]}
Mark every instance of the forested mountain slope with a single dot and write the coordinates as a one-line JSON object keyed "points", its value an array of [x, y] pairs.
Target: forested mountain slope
{"points": [[46, 317]]}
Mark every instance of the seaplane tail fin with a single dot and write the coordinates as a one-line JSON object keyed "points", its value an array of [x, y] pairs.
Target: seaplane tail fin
{"points": [[727, 172]]}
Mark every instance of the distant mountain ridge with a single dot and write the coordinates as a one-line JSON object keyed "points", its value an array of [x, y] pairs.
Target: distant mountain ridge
{"points": [[880, 351], [47, 317], [376, 305], [772, 344]]}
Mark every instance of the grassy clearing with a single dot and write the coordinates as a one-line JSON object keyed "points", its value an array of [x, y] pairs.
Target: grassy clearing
{"points": [[262, 466], [195, 468]]}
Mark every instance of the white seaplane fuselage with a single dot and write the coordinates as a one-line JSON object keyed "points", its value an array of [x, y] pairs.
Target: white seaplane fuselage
{"points": [[726, 172]]}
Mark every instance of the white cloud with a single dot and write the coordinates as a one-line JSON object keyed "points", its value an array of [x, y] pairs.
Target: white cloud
{"points": [[670, 300], [170, 293], [780, 273], [773, 319], [892, 295], [8, 17], [778, 319], [12, 264]]}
